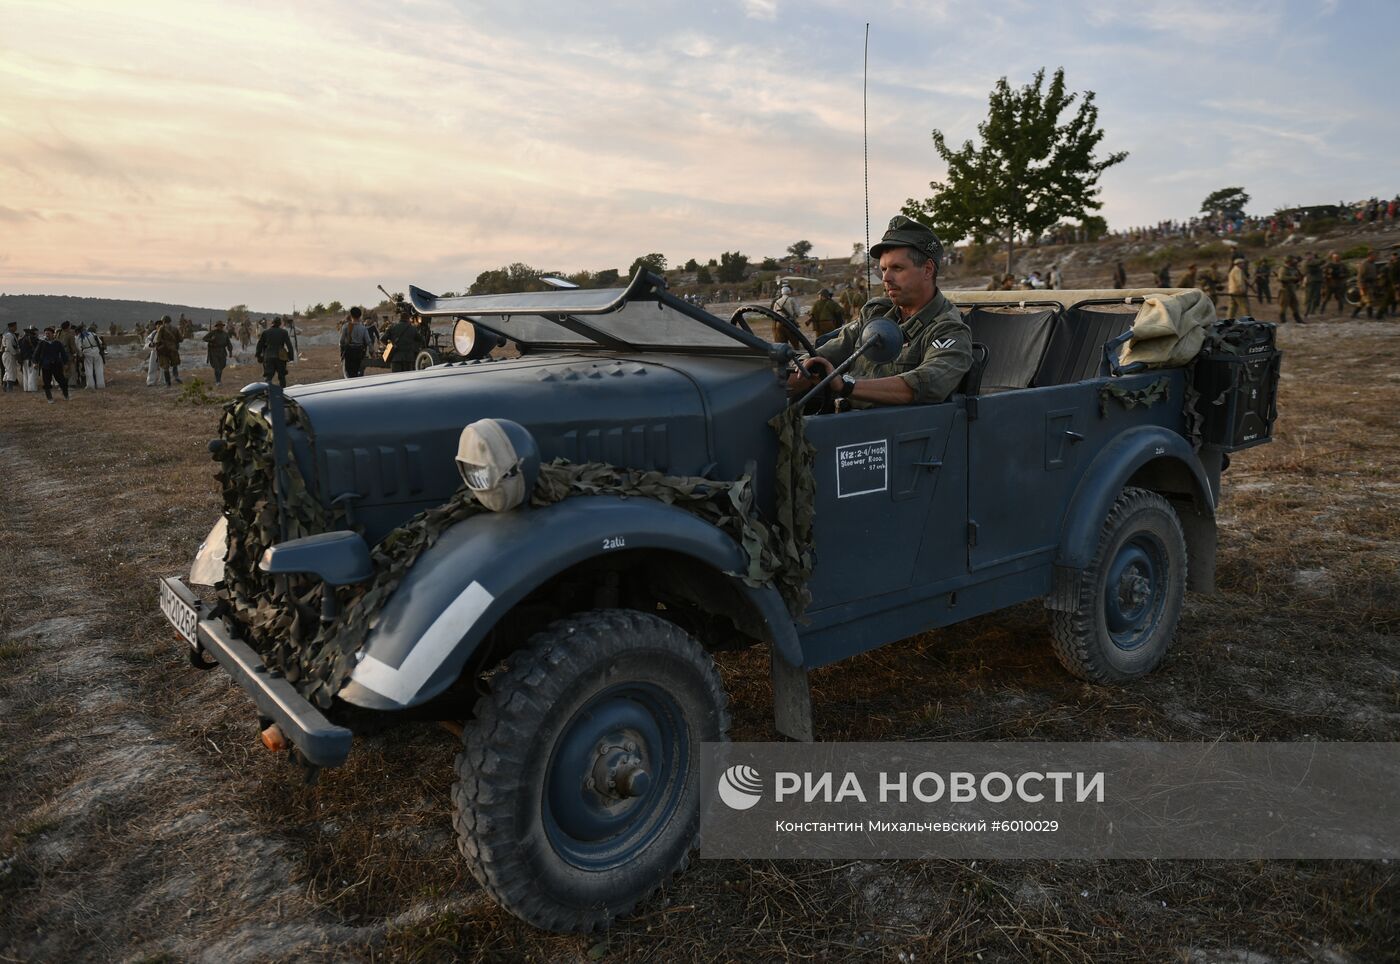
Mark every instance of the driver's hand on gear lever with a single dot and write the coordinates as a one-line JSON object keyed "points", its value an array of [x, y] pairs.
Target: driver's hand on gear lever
{"points": [[810, 370]]}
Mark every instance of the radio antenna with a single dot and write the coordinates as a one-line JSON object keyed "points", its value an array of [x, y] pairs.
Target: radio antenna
{"points": [[865, 136]]}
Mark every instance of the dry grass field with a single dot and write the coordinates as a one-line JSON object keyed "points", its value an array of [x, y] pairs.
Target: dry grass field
{"points": [[140, 820]]}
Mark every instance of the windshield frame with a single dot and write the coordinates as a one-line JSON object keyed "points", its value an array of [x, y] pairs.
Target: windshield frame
{"points": [[573, 309]]}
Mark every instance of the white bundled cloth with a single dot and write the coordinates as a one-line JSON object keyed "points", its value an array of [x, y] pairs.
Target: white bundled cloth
{"points": [[152, 368], [1169, 329], [91, 351]]}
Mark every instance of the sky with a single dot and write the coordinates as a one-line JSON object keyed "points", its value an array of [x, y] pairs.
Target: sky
{"points": [[281, 154]]}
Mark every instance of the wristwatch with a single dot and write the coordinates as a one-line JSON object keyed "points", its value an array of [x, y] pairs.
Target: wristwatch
{"points": [[848, 385]]}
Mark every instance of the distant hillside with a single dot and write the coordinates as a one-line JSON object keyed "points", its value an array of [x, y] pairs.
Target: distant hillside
{"points": [[45, 310]]}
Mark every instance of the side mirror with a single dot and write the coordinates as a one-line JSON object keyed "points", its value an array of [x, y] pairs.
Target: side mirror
{"points": [[881, 340]]}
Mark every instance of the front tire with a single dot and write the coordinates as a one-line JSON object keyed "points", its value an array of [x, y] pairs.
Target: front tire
{"points": [[426, 358], [1129, 599], [577, 792]]}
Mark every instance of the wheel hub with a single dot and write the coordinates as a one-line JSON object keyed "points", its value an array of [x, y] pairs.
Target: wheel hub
{"points": [[619, 771], [1134, 592]]}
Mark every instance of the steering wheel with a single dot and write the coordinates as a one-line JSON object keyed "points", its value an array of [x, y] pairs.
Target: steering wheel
{"points": [[737, 320]]}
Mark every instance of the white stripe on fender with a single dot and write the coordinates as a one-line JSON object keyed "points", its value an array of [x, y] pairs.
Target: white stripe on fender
{"points": [[403, 683]]}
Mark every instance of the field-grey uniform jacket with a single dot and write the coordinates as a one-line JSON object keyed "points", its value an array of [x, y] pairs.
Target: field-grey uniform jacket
{"points": [[937, 351]]}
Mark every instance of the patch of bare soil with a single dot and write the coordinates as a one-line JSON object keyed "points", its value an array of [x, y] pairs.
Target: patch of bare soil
{"points": [[139, 820]]}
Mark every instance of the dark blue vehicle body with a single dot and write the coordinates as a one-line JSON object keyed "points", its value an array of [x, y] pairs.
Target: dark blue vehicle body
{"points": [[925, 515]]}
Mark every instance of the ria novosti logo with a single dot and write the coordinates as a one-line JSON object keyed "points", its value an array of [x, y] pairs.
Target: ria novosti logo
{"points": [[740, 787]]}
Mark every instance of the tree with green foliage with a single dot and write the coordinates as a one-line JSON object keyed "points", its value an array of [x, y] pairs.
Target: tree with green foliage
{"points": [[607, 278], [1228, 202], [651, 262], [512, 277], [237, 315], [769, 264], [733, 267], [316, 309], [692, 265], [334, 308], [1031, 170], [703, 276], [800, 249]]}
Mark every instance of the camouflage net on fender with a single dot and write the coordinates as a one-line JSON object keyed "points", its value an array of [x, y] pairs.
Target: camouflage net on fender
{"points": [[280, 617], [1147, 396]]}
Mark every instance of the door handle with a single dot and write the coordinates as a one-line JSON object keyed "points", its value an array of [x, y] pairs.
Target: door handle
{"points": [[1073, 436], [936, 463]]}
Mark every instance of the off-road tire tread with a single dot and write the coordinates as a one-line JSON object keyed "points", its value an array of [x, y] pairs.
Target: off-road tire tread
{"points": [[493, 745], [1074, 633]]}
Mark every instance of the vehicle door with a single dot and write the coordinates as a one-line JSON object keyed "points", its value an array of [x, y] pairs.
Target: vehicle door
{"points": [[890, 482]]}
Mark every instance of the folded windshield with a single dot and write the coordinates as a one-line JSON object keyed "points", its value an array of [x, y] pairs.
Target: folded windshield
{"points": [[641, 316]]}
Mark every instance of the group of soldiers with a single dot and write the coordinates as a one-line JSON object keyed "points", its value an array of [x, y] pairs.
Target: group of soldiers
{"points": [[1322, 281], [829, 312], [67, 355]]}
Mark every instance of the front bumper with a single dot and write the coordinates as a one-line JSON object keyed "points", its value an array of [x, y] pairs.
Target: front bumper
{"points": [[321, 742]]}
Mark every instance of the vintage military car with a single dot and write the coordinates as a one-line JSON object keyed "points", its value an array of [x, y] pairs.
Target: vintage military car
{"points": [[569, 641]]}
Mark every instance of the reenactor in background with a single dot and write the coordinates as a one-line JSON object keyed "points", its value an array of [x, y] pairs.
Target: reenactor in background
{"points": [[113, 330], [1334, 282], [1392, 270], [853, 299], [29, 369], [1237, 287], [1210, 283], [220, 347], [168, 340], [354, 343], [827, 315], [274, 349], [9, 357], [1008, 282], [402, 338], [91, 350], [1312, 277], [1120, 275], [1164, 276], [186, 326], [245, 333], [1289, 278], [1368, 279], [69, 341], [51, 358], [1056, 278], [786, 305], [1262, 270], [1188, 280]]}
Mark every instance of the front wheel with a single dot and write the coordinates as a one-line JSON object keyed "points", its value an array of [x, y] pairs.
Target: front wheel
{"points": [[1129, 599], [426, 358], [577, 791]]}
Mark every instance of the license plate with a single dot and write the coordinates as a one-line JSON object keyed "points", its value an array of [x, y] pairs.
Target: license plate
{"points": [[180, 613]]}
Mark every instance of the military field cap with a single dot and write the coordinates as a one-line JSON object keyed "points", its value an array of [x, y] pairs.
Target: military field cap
{"points": [[905, 232], [1239, 261], [218, 324]]}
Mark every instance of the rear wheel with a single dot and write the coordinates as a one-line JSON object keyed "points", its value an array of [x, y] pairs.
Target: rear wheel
{"points": [[426, 358], [1130, 597], [577, 791]]}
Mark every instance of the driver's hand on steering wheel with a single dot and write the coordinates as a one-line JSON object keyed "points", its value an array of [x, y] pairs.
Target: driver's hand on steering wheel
{"points": [[810, 370]]}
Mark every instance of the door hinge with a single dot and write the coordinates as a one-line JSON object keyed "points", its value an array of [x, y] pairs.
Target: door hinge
{"points": [[971, 533]]}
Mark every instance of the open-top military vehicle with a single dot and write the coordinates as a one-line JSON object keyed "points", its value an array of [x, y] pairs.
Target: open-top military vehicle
{"points": [[639, 493]]}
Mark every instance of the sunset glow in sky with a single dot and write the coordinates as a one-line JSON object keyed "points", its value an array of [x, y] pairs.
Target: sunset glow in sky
{"points": [[280, 154]]}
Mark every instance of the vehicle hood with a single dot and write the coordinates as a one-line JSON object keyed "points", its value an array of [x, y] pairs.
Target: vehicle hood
{"points": [[389, 440]]}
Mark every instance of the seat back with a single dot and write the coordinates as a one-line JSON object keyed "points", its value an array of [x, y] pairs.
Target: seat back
{"points": [[1015, 339], [1076, 343], [971, 383]]}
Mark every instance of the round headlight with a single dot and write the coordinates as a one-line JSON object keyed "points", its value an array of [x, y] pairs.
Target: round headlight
{"points": [[464, 337], [499, 461]]}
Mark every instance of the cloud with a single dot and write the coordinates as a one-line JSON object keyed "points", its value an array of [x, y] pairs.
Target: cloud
{"points": [[760, 9]]}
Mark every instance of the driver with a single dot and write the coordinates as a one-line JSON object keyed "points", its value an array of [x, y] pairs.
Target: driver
{"points": [[937, 348]]}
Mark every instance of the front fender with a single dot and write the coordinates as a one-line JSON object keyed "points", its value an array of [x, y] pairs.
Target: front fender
{"points": [[480, 568], [1109, 473]]}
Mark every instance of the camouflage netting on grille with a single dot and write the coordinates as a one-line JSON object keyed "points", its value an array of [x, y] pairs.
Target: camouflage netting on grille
{"points": [[280, 617]]}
